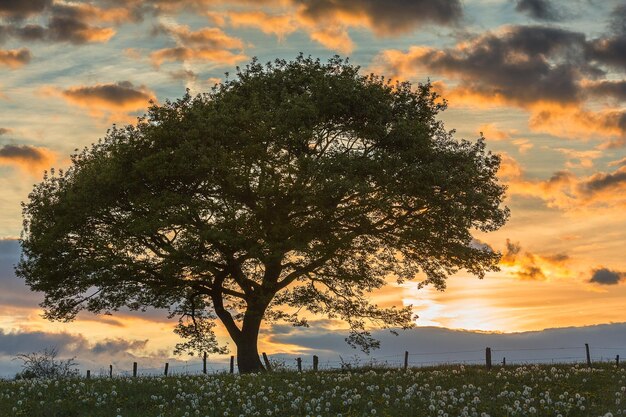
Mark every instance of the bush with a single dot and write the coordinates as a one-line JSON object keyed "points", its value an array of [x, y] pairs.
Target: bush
{"points": [[43, 364]]}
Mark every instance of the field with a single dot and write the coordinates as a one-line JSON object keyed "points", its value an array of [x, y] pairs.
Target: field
{"points": [[533, 390]]}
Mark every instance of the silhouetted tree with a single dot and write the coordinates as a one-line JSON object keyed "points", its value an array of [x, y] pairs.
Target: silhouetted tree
{"points": [[295, 186]]}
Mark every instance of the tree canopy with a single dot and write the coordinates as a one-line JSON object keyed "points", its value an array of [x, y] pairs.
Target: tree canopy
{"points": [[294, 188]]}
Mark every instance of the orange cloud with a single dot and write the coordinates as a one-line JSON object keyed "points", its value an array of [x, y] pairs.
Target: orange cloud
{"points": [[565, 190], [208, 44], [182, 53], [15, 58], [492, 133], [213, 38], [582, 159], [91, 13], [278, 25], [31, 159], [335, 38], [529, 266]]}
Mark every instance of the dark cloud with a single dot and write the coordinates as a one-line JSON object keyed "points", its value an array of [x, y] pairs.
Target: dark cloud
{"points": [[15, 293], [605, 276], [610, 51], [122, 95], [523, 64], [114, 346], [74, 23], [12, 344], [19, 9], [607, 88], [386, 17], [538, 9], [602, 181], [15, 58], [22, 152], [68, 29], [29, 33], [617, 22]]}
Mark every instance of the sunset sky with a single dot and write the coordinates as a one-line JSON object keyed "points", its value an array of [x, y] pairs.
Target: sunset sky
{"points": [[543, 80]]}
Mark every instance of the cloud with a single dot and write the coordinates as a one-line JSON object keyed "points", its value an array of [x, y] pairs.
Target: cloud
{"points": [[529, 266], [122, 96], [514, 63], [20, 9], [604, 276], [601, 181], [183, 74], [210, 38], [576, 158], [29, 158], [555, 74], [278, 25], [334, 38], [567, 191], [384, 18], [114, 346], [4, 131], [207, 44], [538, 9], [610, 88], [14, 343], [609, 51], [75, 23], [15, 58], [183, 53], [618, 163]]}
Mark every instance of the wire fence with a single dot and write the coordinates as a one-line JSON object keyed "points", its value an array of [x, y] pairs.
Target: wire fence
{"points": [[489, 357]]}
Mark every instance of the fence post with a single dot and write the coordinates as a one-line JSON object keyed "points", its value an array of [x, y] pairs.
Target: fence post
{"points": [[299, 360], [488, 358], [503, 362], [134, 369], [110, 371], [204, 364], [232, 364], [88, 374], [588, 355], [315, 362], [268, 365], [617, 361], [406, 360], [167, 367]]}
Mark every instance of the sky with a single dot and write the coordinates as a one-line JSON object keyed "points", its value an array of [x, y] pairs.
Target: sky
{"points": [[543, 80]]}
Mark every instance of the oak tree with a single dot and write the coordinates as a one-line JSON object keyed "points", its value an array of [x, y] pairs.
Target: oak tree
{"points": [[290, 191]]}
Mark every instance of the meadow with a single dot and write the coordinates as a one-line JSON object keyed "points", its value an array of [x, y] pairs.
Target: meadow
{"points": [[531, 390]]}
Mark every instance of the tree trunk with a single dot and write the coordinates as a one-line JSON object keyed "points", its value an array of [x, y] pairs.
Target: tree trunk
{"points": [[248, 360]]}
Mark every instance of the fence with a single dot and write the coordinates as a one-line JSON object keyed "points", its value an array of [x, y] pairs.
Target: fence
{"points": [[489, 357]]}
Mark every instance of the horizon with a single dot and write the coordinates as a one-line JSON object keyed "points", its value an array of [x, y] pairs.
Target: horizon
{"points": [[544, 81]]}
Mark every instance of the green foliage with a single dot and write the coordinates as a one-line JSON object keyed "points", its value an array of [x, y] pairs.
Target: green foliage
{"points": [[295, 186]]}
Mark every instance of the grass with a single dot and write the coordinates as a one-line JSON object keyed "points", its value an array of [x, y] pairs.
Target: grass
{"points": [[533, 390]]}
